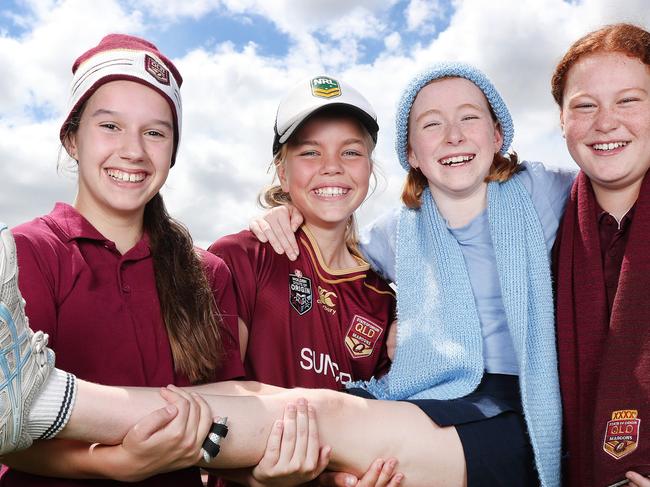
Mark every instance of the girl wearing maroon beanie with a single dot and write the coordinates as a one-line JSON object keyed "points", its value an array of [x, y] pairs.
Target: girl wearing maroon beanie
{"points": [[115, 282]]}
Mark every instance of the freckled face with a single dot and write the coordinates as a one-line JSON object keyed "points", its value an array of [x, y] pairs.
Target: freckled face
{"points": [[327, 170], [606, 118], [124, 146], [452, 137]]}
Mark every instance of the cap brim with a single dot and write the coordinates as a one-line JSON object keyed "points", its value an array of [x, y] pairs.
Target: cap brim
{"points": [[364, 117]]}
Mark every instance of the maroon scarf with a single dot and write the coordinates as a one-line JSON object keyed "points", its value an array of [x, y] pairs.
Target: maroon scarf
{"points": [[604, 365]]}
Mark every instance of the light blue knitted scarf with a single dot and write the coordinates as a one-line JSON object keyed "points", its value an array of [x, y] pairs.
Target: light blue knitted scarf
{"points": [[439, 352]]}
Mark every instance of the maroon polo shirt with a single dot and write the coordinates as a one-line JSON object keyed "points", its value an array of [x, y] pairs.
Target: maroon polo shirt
{"points": [[613, 238], [101, 311], [309, 325]]}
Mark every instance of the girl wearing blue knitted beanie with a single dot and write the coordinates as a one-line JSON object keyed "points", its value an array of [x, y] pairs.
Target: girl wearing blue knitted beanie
{"points": [[469, 253]]}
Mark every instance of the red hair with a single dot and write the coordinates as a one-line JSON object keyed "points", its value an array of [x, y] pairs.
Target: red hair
{"points": [[627, 39]]}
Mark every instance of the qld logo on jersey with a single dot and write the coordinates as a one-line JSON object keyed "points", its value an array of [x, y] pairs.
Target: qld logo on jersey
{"points": [[622, 433], [362, 336], [300, 295]]}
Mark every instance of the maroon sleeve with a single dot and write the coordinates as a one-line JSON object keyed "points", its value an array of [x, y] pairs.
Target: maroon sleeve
{"points": [[36, 282], [239, 254], [222, 287]]}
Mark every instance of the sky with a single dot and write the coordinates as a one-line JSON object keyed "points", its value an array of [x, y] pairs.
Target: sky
{"points": [[239, 57]]}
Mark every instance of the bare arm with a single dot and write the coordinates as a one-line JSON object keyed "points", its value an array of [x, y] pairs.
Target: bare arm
{"points": [[167, 439]]}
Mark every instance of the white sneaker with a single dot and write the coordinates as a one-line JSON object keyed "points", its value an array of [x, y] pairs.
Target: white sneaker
{"points": [[25, 360]]}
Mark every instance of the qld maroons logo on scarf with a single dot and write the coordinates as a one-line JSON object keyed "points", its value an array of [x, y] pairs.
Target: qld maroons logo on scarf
{"points": [[622, 433]]}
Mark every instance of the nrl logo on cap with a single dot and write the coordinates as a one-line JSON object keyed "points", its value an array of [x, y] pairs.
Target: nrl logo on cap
{"points": [[157, 70], [324, 87]]}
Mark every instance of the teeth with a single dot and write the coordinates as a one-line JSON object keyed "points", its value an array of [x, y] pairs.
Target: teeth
{"points": [[330, 191], [609, 146], [455, 160], [125, 176]]}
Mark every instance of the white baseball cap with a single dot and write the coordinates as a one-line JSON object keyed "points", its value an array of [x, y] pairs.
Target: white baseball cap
{"points": [[314, 94]]}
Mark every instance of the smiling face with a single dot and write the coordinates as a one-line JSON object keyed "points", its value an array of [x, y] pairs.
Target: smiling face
{"points": [[327, 169], [605, 119], [124, 146], [452, 137]]}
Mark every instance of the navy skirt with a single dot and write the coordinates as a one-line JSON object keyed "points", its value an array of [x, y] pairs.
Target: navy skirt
{"points": [[492, 430]]}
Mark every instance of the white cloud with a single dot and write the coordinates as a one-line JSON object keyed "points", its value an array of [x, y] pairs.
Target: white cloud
{"points": [[420, 13], [393, 41], [231, 94]]}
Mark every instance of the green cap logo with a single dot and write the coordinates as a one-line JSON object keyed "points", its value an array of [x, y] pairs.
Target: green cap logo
{"points": [[324, 87]]}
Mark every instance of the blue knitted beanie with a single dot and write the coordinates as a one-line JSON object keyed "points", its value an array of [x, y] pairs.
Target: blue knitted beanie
{"points": [[443, 70]]}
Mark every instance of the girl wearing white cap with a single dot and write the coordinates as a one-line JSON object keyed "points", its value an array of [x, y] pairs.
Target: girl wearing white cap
{"points": [[322, 320]]}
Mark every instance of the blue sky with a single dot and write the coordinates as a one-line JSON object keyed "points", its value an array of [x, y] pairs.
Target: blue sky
{"points": [[238, 57], [176, 37]]}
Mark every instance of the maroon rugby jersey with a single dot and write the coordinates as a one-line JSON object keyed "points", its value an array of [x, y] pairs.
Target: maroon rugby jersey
{"points": [[309, 325]]}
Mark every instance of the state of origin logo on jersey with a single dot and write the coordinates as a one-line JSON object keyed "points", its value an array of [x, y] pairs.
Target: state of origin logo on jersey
{"points": [[300, 295]]}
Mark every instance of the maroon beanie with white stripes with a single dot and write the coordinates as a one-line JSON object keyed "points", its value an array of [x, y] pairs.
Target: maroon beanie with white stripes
{"points": [[125, 57]]}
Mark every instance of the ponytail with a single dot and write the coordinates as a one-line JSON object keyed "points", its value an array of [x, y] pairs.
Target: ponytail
{"points": [[186, 300]]}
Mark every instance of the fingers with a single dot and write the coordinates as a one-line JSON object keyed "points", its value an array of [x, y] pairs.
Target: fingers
{"points": [[255, 226], [288, 446], [273, 444], [281, 220], [323, 461], [193, 422], [304, 434], [293, 454], [205, 420], [337, 479], [315, 456], [381, 474], [274, 238], [637, 480], [277, 227], [296, 220], [153, 422]]}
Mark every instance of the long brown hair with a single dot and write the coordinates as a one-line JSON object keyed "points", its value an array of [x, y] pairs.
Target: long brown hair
{"points": [[186, 300]]}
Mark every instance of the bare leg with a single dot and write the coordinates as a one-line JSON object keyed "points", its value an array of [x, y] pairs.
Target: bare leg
{"points": [[358, 430]]}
